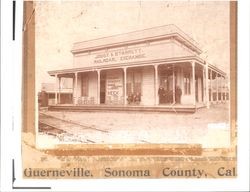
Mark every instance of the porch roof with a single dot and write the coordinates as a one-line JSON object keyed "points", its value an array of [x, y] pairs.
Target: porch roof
{"points": [[136, 64], [50, 88]]}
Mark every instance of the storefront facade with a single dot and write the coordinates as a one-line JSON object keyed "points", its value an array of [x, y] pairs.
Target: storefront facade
{"points": [[152, 67]]}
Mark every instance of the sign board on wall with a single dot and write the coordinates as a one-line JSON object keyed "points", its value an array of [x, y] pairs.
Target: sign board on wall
{"points": [[119, 56], [114, 87], [126, 55]]}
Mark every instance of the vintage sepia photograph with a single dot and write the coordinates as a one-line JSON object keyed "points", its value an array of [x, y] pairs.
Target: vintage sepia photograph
{"points": [[124, 95], [149, 84], [130, 78]]}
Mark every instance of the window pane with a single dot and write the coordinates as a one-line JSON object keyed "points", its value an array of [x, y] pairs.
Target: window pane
{"points": [[137, 88], [129, 88], [187, 85]]}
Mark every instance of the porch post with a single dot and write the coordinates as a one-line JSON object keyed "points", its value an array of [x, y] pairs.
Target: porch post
{"points": [[59, 91], [211, 86], [225, 89], [125, 85], [221, 96], [173, 85], [207, 88], [182, 76], [56, 87], [75, 88], [98, 86], [193, 83], [203, 85], [156, 85], [217, 88]]}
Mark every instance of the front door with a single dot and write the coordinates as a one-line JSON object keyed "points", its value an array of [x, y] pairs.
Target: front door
{"points": [[166, 88], [102, 90]]}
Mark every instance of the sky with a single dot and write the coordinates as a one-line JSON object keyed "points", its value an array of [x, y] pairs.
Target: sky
{"points": [[59, 24]]}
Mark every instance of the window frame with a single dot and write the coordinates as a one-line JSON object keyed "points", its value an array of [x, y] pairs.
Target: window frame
{"points": [[187, 83]]}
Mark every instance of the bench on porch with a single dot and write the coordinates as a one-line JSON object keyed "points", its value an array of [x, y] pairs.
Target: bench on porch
{"points": [[86, 101], [134, 98]]}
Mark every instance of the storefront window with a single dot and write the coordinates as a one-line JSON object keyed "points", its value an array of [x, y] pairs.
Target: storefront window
{"points": [[134, 82], [187, 87], [137, 87], [129, 88]]}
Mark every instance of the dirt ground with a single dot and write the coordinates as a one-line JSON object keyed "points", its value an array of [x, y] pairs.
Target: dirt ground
{"points": [[209, 127]]}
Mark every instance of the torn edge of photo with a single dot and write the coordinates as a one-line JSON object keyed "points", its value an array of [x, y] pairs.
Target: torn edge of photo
{"points": [[128, 89]]}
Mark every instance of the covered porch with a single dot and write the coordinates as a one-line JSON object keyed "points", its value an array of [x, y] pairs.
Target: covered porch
{"points": [[174, 84]]}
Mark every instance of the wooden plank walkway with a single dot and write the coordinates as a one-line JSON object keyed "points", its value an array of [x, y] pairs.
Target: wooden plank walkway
{"points": [[122, 108]]}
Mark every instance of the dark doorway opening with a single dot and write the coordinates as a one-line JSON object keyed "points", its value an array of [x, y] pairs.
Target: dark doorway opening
{"points": [[167, 86], [103, 88]]}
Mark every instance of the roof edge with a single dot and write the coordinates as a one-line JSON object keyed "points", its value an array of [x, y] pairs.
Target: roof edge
{"points": [[160, 32]]}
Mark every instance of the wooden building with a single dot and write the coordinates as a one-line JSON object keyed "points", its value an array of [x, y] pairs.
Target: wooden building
{"points": [[160, 66], [48, 91]]}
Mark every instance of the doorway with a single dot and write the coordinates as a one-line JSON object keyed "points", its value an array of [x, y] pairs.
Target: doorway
{"points": [[102, 88], [167, 85]]}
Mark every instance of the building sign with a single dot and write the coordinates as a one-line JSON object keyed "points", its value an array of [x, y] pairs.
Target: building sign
{"points": [[119, 56], [128, 55], [114, 88]]}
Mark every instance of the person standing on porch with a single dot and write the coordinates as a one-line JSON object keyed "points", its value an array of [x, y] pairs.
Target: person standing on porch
{"points": [[161, 93]]}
